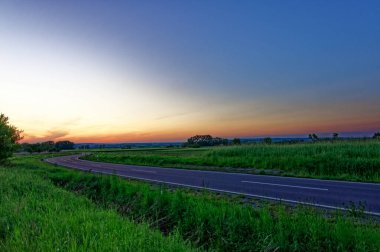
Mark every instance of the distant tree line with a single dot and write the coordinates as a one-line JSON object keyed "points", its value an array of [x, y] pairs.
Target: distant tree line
{"points": [[84, 147], [48, 146], [208, 140], [335, 136]]}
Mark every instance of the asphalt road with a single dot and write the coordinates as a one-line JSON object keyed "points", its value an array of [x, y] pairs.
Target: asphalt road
{"points": [[321, 193]]}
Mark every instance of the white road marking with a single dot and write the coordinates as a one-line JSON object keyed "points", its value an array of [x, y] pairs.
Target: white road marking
{"points": [[138, 170], [292, 186], [231, 192], [97, 165], [240, 193], [76, 158]]}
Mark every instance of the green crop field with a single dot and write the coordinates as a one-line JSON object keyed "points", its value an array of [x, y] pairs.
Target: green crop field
{"points": [[346, 160], [45, 207]]}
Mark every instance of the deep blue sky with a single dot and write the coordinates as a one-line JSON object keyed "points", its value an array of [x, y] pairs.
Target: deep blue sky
{"points": [[265, 65]]}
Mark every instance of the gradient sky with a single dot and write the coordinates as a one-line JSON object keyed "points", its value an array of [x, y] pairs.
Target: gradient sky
{"points": [[134, 71]]}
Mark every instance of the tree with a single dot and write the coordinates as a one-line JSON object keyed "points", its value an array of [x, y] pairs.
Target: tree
{"points": [[64, 145], [26, 147], [205, 140], [48, 146], [267, 140], [236, 141], [219, 141], [376, 135], [201, 140], [335, 136], [313, 137], [9, 137]]}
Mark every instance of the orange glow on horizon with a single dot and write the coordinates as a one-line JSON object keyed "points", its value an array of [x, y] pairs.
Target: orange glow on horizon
{"points": [[228, 130]]}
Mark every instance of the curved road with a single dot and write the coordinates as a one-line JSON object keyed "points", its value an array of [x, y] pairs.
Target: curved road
{"points": [[322, 193]]}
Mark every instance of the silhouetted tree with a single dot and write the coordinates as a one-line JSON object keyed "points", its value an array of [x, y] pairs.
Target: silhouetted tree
{"points": [[376, 135], [26, 147], [9, 137], [205, 140], [313, 137], [219, 141], [48, 146], [236, 141], [267, 140], [64, 145], [335, 136]]}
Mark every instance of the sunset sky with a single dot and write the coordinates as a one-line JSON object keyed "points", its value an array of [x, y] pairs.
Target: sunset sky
{"points": [[138, 71]]}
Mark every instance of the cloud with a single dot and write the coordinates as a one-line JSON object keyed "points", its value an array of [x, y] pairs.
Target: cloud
{"points": [[172, 115], [51, 135]]}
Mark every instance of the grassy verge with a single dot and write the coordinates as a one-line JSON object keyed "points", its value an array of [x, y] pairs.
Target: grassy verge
{"points": [[211, 222], [35, 215], [346, 160]]}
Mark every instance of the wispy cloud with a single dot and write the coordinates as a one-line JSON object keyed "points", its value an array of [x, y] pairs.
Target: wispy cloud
{"points": [[51, 135], [172, 115]]}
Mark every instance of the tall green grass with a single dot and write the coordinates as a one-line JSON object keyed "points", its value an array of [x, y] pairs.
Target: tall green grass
{"points": [[347, 160], [217, 223], [35, 215]]}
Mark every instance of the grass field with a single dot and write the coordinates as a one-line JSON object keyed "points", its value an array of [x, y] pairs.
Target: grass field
{"points": [[346, 160], [35, 215], [44, 207]]}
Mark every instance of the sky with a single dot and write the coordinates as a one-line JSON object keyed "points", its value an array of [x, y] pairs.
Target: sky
{"points": [[148, 71]]}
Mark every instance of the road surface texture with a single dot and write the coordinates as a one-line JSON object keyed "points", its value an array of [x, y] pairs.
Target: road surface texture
{"points": [[322, 193]]}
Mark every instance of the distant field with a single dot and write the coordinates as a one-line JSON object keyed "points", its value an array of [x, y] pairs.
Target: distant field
{"points": [[346, 160], [48, 208]]}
